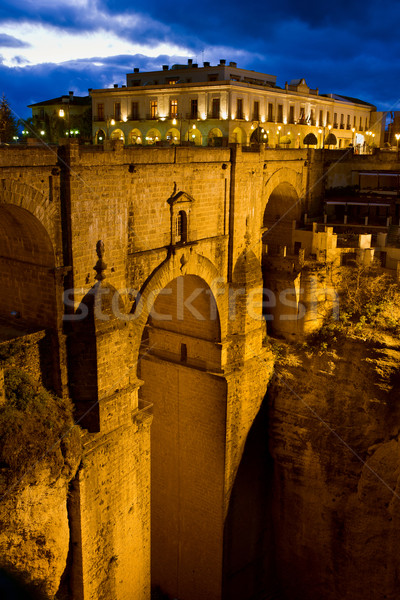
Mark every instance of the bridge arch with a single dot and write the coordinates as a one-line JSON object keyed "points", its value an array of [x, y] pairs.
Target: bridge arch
{"points": [[27, 261], [180, 367], [283, 205], [183, 262]]}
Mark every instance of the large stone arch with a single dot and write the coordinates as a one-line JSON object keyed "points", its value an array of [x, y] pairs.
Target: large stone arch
{"points": [[180, 367], [184, 261], [39, 205], [27, 279]]}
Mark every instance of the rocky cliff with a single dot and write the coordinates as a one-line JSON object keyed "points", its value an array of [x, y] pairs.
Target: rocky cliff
{"points": [[334, 421]]}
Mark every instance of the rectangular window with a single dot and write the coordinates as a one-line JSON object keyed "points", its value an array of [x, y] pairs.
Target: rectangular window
{"points": [[366, 123], [328, 118], [302, 115], [213, 78], [341, 121], [41, 114], [256, 110], [173, 109], [312, 117], [193, 108], [335, 121], [361, 124], [239, 108], [321, 118], [348, 126], [270, 111], [100, 112], [135, 111], [117, 111], [153, 109], [291, 114], [280, 113], [215, 108], [355, 122]]}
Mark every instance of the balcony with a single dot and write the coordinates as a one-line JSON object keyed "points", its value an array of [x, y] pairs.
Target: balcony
{"points": [[152, 117], [192, 115], [341, 125], [98, 118], [336, 125], [134, 117], [348, 126], [213, 115]]}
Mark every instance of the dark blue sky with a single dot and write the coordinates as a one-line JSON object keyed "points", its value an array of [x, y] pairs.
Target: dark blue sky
{"points": [[48, 48]]}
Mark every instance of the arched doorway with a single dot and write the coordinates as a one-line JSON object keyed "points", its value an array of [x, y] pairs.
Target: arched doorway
{"points": [[173, 136], [193, 135], [100, 137], [215, 137], [238, 136], [117, 134], [283, 207], [135, 137], [153, 136], [180, 366], [27, 284]]}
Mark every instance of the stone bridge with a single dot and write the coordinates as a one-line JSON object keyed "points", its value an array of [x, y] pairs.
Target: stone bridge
{"points": [[158, 339]]}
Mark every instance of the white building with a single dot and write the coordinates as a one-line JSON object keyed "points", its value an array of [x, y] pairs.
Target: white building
{"points": [[217, 105]]}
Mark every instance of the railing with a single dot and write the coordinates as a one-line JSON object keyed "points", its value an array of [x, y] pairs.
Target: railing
{"points": [[152, 117], [192, 115]]}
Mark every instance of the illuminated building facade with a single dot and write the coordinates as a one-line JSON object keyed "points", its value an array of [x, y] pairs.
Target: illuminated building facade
{"points": [[223, 104]]}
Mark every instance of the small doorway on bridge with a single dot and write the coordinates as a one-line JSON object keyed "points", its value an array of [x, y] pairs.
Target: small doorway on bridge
{"points": [[180, 365]]}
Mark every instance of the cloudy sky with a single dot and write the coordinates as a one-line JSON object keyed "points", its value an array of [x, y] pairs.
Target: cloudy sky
{"points": [[49, 47]]}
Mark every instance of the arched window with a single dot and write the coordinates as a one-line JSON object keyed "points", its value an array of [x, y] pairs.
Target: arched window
{"points": [[181, 226]]}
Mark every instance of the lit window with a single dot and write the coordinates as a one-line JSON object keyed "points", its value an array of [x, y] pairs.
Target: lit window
{"points": [[153, 109], [173, 109]]}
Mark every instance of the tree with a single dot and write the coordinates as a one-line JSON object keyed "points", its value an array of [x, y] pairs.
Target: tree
{"points": [[8, 124]]}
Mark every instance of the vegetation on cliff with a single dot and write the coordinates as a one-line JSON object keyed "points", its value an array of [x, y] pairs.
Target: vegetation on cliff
{"points": [[35, 425]]}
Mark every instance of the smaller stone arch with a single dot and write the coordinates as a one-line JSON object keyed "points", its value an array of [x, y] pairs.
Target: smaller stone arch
{"points": [[238, 136], [173, 136], [283, 207], [152, 136], [117, 134], [135, 137]]}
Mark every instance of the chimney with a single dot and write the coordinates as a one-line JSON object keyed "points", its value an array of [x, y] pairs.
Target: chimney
{"points": [[165, 67], [195, 65], [190, 61], [206, 64], [233, 64], [90, 90], [71, 94], [136, 70], [222, 61], [115, 85]]}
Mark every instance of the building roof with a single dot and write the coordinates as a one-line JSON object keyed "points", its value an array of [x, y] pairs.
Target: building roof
{"points": [[342, 98], [70, 99]]}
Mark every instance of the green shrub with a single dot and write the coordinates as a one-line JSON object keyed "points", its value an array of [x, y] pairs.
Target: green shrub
{"points": [[35, 426]]}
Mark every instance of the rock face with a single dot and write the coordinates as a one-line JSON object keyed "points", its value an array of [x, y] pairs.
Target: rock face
{"points": [[334, 421], [40, 451], [34, 538]]}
